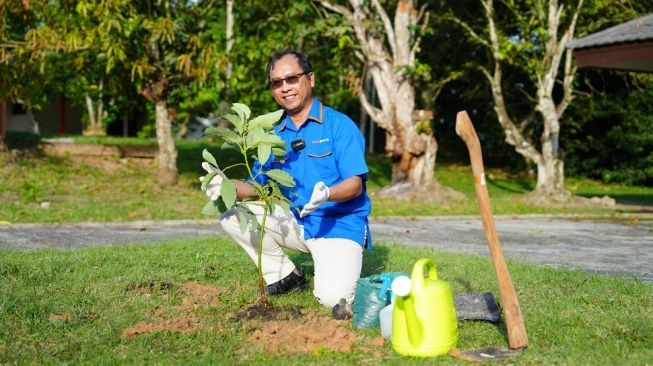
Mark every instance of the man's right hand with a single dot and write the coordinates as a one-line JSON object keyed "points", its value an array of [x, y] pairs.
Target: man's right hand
{"points": [[213, 188]]}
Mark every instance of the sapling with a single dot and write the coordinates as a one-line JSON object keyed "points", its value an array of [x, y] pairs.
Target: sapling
{"points": [[255, 140]]}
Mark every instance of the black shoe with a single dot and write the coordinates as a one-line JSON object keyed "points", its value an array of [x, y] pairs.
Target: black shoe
{"points": [[342, 310], [290, 283]]}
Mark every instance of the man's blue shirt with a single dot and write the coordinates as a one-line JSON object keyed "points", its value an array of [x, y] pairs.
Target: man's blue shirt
{"points": [[335, 151]]}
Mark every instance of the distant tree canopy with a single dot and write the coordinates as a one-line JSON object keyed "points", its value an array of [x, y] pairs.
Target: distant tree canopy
{"points": [[71, 48]]}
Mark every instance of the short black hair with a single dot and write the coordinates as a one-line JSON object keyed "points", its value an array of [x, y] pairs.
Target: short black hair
{"points": [[302, 60]]}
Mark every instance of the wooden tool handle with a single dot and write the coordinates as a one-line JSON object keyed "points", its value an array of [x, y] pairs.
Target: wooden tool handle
{"points": [[517, 337]]}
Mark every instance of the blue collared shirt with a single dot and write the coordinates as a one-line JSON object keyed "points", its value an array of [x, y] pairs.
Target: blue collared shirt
{"points": [[335, 151]]}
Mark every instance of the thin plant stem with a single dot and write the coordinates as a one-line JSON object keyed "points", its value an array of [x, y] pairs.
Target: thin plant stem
{"points": [[261, 284]]}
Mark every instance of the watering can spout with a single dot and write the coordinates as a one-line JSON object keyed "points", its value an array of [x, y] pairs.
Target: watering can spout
{"points": [[401, 286], [424, 319], [416, 332]]}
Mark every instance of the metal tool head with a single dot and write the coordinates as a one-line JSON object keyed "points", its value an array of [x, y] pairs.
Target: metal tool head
{"points": [[485, 354]]}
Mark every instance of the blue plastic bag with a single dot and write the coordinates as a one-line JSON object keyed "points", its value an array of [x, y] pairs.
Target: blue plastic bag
{"points": [[372, 294]]}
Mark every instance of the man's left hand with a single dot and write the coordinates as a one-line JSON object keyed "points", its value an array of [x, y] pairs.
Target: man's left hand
{"points": [[320, 195]]}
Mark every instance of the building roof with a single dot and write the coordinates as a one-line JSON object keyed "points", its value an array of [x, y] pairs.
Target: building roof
{"points": [[636, 30], [627, 46]]}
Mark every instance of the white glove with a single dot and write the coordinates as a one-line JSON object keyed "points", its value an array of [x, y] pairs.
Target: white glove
{"points": [[213, 188], [320, 195]]}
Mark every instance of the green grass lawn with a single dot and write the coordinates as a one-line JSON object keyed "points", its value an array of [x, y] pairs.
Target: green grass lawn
{"points": [[110, 189], [74, 307]]}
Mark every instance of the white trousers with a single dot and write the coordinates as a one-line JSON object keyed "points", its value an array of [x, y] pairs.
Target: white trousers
{"points": [[337, 262]]}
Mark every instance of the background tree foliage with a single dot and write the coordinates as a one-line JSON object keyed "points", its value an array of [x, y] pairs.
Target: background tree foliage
{"points": [[175, 53]]}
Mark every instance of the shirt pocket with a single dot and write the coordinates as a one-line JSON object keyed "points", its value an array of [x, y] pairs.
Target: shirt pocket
{"points": [[322, 161]]}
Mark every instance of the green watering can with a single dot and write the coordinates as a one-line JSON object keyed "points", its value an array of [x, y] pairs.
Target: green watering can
{"points": [[424, 319]]}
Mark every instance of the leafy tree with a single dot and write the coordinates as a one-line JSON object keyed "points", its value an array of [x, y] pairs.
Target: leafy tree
{"points": [[388, 48], [23, 78], [526, 41], [37, 70], [608, 135], [521, 49], [159, 45]]}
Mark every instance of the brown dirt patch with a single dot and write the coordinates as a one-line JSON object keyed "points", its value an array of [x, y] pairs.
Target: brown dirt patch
{"points": [[258, 311], [182, 323], [198, 296], [180, 318], [272, 331], [313, 332]]}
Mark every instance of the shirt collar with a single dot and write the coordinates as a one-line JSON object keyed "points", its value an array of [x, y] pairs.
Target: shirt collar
{"points": [[315, 114]]}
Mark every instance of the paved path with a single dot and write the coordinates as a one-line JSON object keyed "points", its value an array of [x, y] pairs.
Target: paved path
{"points": [[623, 248]]}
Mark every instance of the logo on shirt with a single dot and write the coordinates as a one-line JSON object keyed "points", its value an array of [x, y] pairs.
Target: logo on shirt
{"points": [[320, 141]]}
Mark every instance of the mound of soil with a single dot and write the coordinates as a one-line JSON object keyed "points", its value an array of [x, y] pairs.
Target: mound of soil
{"points": [[198, 296], [272, 331], [183, 319], [314, 332]]}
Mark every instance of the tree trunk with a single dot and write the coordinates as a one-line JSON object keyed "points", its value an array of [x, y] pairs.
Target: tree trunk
{"points": [[388, 50], [549, 159], [550, 166], [167, 154], [230, 42], [550, 180], [95, 118]]}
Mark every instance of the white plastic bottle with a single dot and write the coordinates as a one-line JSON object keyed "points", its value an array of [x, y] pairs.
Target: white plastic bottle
{"points": [[385, 318], [400, 287]]}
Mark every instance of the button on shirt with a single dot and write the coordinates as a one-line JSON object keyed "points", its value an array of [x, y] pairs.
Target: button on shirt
{"points": [[334, 151]]}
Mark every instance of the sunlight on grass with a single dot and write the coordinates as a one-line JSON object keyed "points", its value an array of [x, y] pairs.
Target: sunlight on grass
{"points": [[77, 189], [72, 306]]}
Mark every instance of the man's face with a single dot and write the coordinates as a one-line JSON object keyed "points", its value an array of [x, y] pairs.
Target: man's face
{"points": [[293, 94]]}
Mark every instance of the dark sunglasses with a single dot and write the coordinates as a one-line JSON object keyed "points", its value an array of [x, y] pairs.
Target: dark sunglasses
{"points": [[290, 80]]}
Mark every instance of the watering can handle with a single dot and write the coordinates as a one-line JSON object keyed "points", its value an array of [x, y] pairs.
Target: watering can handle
{"points": [[386, 282], [418, 272]]}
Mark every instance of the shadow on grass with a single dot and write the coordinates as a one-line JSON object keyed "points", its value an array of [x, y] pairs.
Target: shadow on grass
{"points": [[375, 261], [512, 186], [624, 198]]}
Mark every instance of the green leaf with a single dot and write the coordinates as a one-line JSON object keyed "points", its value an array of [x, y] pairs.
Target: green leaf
{"points": [[242, 220], [267, 121], [285, 205], [264, 151], [252, 218], [257, 135], [226, 146], [283, 202], [228, 192], [224, 133], [207, 180], [279, 152], [270, 205], [209, 157], [282, 177], [213, 208], [242, 110], [210, 209], [235, 120], [273, 139]]}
